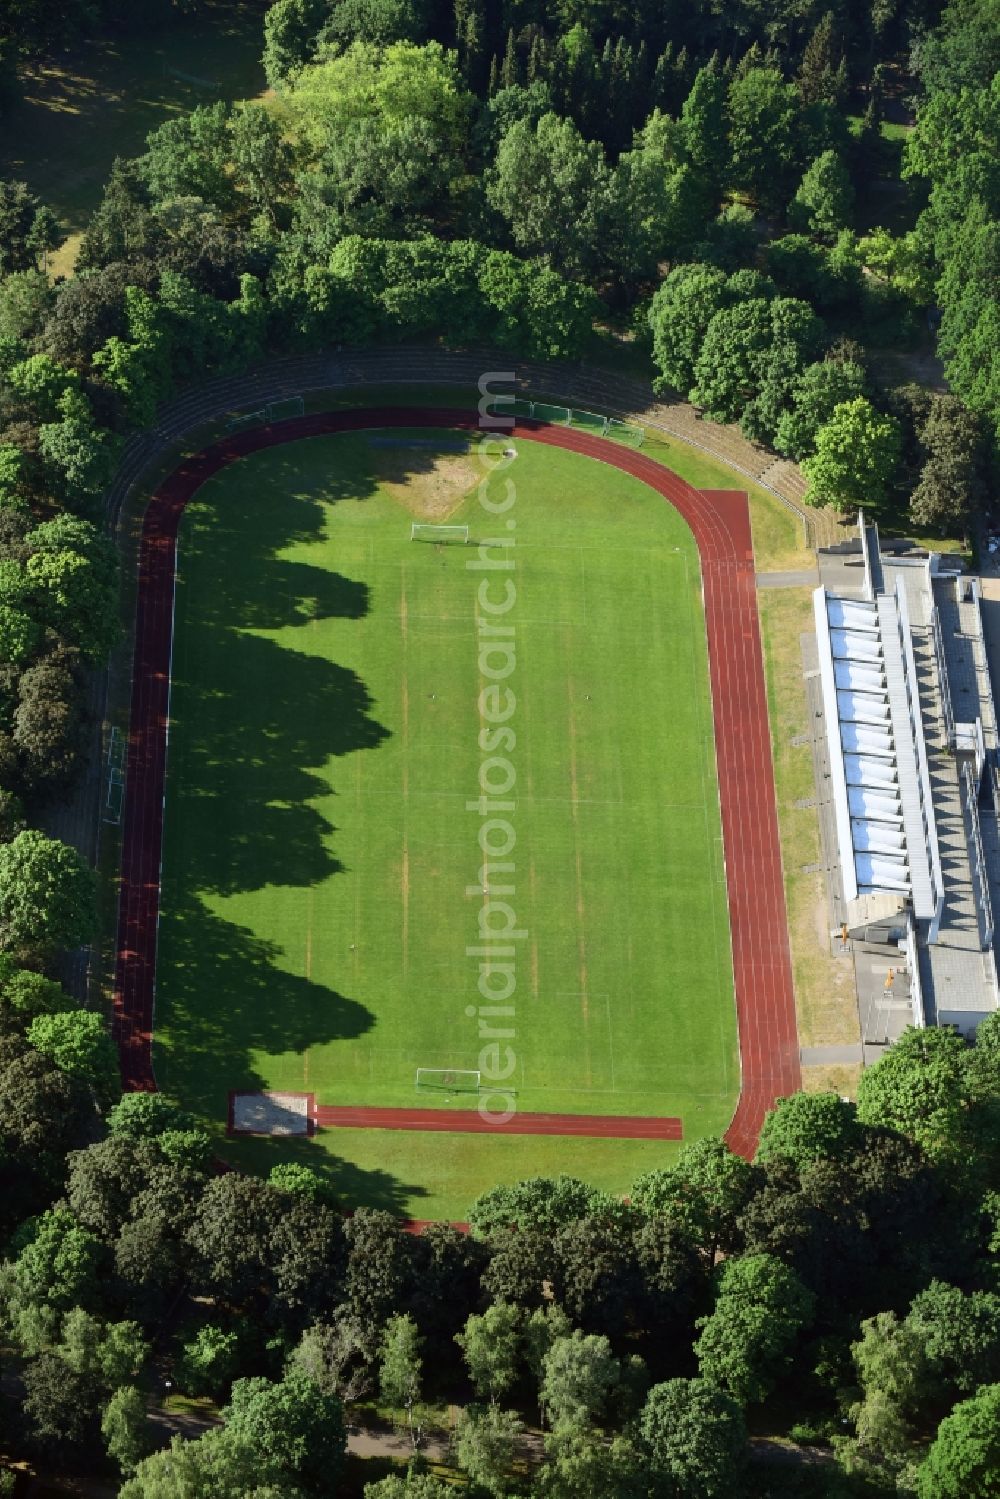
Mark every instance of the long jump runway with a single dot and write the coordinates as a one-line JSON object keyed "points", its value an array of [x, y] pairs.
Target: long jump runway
{"points": [[720, 522]]}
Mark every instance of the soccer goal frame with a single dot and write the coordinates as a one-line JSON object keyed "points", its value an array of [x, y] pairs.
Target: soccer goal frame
{"points": [[247, 419], [448, 1080], [424, 531], [626, 432], [290, 406]]}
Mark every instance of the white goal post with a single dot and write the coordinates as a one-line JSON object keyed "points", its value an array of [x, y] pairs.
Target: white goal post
{"points": [[448, 1079], [423, 531], [290, 406]]}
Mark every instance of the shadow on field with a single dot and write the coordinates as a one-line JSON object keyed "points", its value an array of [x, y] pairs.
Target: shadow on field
{"points": [[353, 1185], [262, 717], [229, 997], [250, 766]]}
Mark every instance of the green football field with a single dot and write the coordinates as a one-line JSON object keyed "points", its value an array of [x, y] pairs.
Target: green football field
{"points": [[323, 873]]}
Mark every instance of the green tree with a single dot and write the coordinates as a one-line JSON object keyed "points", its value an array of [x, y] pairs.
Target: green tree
{"points": [[401, 1367], [49, 720], [209, 1361], [291, 32], [78, 1043], [121, 228], [764, 134], [822, 76], [18, 208], [694, 1438], [26, 298], [188, 157], [583, 1465], [703, 129], [73, 572], [231, 1235], [295, 1432], [125, 1428], [217, 1466], [746, 346], [706, 1192], [143, 1116], [110, 1353], [413, 1486], [521, 1262], [60, 1406], [541, 1202], [818, 391], [649, 214], [964, 1459], [261, 156], [548, 184], [679, 315], [893, 1374], [920, 1088], [761, 1307], [40, 384], [292, 1176], [81, 458], [486, 1440], [46, 895], [959, 1335], [808, 1127], [855, 457], [580, 1376], [824, 200], [57, 1267], [491, 1346], [378, 1265], [951, 487], [29, 993]]}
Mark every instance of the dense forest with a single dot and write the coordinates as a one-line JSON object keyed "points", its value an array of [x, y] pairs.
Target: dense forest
{"points": [[727, 196]]}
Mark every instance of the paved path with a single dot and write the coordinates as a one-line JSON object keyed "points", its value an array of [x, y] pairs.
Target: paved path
{"points": [[830, 1056], [807, 578], [720, 522]]}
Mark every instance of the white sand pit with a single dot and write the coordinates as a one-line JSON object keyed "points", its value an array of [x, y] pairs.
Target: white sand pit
{"points": [[271, 1113]]}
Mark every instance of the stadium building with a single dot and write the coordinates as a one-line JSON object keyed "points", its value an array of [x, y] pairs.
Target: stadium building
{"points": [[905, 742]]}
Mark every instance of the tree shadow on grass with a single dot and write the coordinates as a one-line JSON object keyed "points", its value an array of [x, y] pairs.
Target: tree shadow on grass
{"points": [[353, 1185], [247, 755], [223, 996]]}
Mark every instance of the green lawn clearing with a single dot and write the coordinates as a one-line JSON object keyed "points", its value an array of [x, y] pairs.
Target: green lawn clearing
{"points": [[80, 110], [322, 869]]}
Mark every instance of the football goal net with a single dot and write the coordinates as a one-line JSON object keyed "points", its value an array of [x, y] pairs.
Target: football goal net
{"points": [[208, 84], [447, 1080], [625, 432], [291, 406], [422, 531], [246, 419]]}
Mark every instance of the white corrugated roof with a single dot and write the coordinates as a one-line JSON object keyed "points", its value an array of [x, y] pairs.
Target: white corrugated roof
{"points": [[847, 614], [883, 872], [862, 770], [866, 739], [862, 707], [857, 677], [855, 646], [878, 837], [878, 806]]}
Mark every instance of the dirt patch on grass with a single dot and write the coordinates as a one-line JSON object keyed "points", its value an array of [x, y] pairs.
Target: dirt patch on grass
{"points": [[433, 489], [841, 1078]]}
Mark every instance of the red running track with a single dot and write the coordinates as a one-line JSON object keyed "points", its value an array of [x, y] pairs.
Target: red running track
{"points": [[720, 522], [471, 1122]]}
